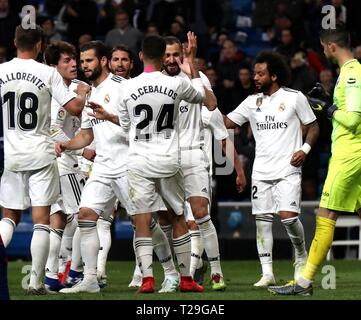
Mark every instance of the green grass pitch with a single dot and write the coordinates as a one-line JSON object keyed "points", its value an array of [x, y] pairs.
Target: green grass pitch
{"points": [[239, 275]]}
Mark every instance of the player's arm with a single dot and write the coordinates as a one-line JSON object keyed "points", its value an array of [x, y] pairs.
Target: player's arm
{"points": [[351, 117], [81, 140], [188, 67], [312, 133], [76, 105], [231, 153], [100, 113]]}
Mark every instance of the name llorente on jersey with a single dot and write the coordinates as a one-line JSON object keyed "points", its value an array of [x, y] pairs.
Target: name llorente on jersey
{"points": [[154, 89], [13, 76], [270, 123]]}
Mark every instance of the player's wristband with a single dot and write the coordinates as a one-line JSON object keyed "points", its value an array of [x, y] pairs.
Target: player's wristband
{"points": [[306, 148]]}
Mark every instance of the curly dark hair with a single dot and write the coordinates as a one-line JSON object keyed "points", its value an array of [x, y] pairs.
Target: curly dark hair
{"points": [[276, 65]]}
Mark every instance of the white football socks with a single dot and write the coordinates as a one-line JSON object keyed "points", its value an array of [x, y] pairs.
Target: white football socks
{"points": [[89, 247], [210, 242], [51, 267], [7, 227], [265, 242], [296, 233], [39, 249]]}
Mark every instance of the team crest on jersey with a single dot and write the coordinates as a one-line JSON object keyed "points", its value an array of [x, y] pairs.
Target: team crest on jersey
{"points": [[258, 104], [107, 98], [61, 115], [282, 107]]}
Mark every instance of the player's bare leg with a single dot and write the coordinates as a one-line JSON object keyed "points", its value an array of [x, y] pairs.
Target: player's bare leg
{"points": [[209, 235], [57, 225]]}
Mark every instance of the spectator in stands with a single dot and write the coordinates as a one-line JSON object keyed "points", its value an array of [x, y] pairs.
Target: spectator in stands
{"points": [[327, 80], [108, 11], [84, 38], [341, 12], [8, 22], [287, 46], [216, 48], [302, 77], [231, 61], [50, 34], [81, 16], [124, 33], [212, 76], [151, 30], [177, 30], [244, 85]]}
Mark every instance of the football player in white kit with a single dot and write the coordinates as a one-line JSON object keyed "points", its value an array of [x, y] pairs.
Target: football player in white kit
{"points": [[195, 167], [121, 63], [31, 176], [150, 111], [108, 179], [276, 114], [62, 56]]}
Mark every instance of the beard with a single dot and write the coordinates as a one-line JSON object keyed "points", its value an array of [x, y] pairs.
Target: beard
{"points": [[265, 87], [172, 69], [96, 73]]}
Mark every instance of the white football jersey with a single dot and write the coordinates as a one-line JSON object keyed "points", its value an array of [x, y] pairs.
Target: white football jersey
{"points": [[63, 128], [26, 89], [150, 111], [111, 144], [190, 119], [276, 125], [213, 128]]}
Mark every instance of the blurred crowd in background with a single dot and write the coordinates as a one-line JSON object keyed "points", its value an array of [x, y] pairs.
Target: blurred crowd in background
{"points": [[230, 34]]}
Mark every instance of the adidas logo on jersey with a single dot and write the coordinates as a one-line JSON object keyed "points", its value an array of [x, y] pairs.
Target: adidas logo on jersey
{"points": [[181, 265], [204, 190], [293, 204]]}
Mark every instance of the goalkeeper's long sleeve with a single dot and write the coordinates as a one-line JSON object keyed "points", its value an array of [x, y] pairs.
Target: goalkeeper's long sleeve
{"points": [[350, 120]]}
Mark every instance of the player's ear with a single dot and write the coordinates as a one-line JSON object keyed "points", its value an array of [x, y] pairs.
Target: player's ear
{"points": [[141, 55], [104, 61], [274, 78]]}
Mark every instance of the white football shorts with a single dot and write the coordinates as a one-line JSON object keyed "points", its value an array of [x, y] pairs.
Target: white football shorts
{"points": [[22, 189], [101, 193], [195, 167], [145, 192], [278, 195], [71, 187]]}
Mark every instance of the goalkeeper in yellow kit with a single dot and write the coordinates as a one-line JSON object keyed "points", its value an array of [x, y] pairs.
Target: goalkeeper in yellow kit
{"points": [[342, 189]]}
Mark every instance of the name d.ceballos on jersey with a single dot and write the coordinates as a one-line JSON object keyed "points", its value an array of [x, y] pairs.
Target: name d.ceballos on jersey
{"points": [[13, 76], [154, 89], [270, 123]]}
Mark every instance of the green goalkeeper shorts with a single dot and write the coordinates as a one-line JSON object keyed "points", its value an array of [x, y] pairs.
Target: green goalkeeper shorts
{"points": [[342, 188]]}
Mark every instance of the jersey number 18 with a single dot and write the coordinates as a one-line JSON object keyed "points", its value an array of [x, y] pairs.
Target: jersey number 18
{"points": [[27, 104]]}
